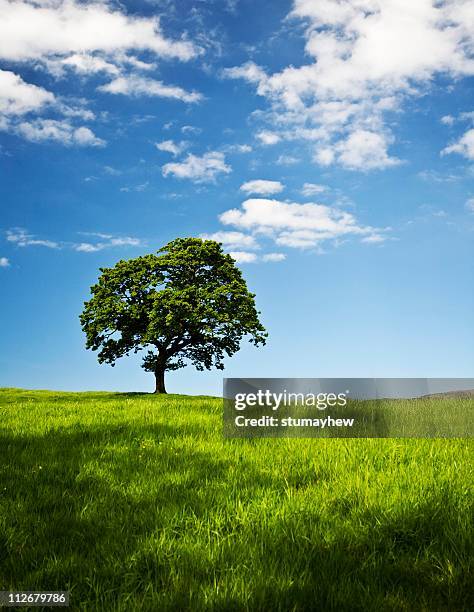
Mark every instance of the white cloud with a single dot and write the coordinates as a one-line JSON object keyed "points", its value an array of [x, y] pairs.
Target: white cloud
{"points": [[41, 130], [464, 146], [299, 239], [138, 188], [4, 262], [86, 247], [293, 224], [111, 171], [362, 150], [274, 257], [85, 137], [437, 177], [247, 257], [233, 240], [198, 169], [22, 238], [18, 97], [374, 239], [311, 189], [110, 242], [249, 72], [191, 129], [240, 245], [470, 205], [75, 112], [268, 138], [367, 57], [35, 30], [243, 256], [287, 160], [447, 120], [238, 148], [324, 156], [376, 43], [169, 146], [134, 85], [262, 187], [83, 64], [87, 38]]}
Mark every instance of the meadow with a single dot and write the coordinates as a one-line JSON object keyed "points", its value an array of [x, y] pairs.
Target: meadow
{"points": [[136, 502]]}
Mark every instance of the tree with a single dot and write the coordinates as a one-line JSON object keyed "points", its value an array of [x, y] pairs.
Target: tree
{"points": [[187, 303]]}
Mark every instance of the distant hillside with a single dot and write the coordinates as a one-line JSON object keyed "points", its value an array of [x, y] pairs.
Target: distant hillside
{"points": [[467, 393]]}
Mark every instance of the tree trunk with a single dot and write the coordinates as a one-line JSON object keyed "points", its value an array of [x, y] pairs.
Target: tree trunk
{"points": [[160, 381]]}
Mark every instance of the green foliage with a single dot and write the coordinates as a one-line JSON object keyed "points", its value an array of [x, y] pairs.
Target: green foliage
{"points": [[188, 302], [133, 508]]}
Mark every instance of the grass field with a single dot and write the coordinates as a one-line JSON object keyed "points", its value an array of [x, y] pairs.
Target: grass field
{"points": [[135, 502], [435, 417]]}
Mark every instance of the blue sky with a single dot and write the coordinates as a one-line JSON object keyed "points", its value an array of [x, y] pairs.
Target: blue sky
{"points": [[328, 145]]}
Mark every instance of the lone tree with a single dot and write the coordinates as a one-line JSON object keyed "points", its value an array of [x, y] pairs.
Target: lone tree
{"points": [[189, 302]]}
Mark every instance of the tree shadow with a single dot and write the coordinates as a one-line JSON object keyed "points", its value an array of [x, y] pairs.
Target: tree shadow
{"points": [[76, 514]]}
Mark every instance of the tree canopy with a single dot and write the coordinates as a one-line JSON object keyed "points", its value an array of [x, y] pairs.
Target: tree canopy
{"points": [[187, 303]]}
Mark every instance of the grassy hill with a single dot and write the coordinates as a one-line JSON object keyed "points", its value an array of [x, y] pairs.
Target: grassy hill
{"points": [[136, 502]]}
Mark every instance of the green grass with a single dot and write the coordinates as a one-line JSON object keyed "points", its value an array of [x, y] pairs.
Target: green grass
{"points": [[136, 502], [435, 417]]}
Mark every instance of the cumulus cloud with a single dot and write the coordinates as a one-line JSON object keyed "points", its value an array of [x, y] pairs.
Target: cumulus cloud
{"points": [[262, 187], [238, 148], [374, 239], [108, 242], [311, 189], [470, 205], [202, 169], [268, 138], [169, 146], [82, 64], [87, 38], [287, 160], [248, 71], [134, 85], [191, 129], [243, 256], [464, 146], [447, 120], [361, 150], [18, 97], [274, 257], [367, 57], [247, 257], [233, 240], [67, 27], [111, 171], [87, 64], [4, 262], [240, 246], [41, 130], [295, 225], [75, 112]]}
